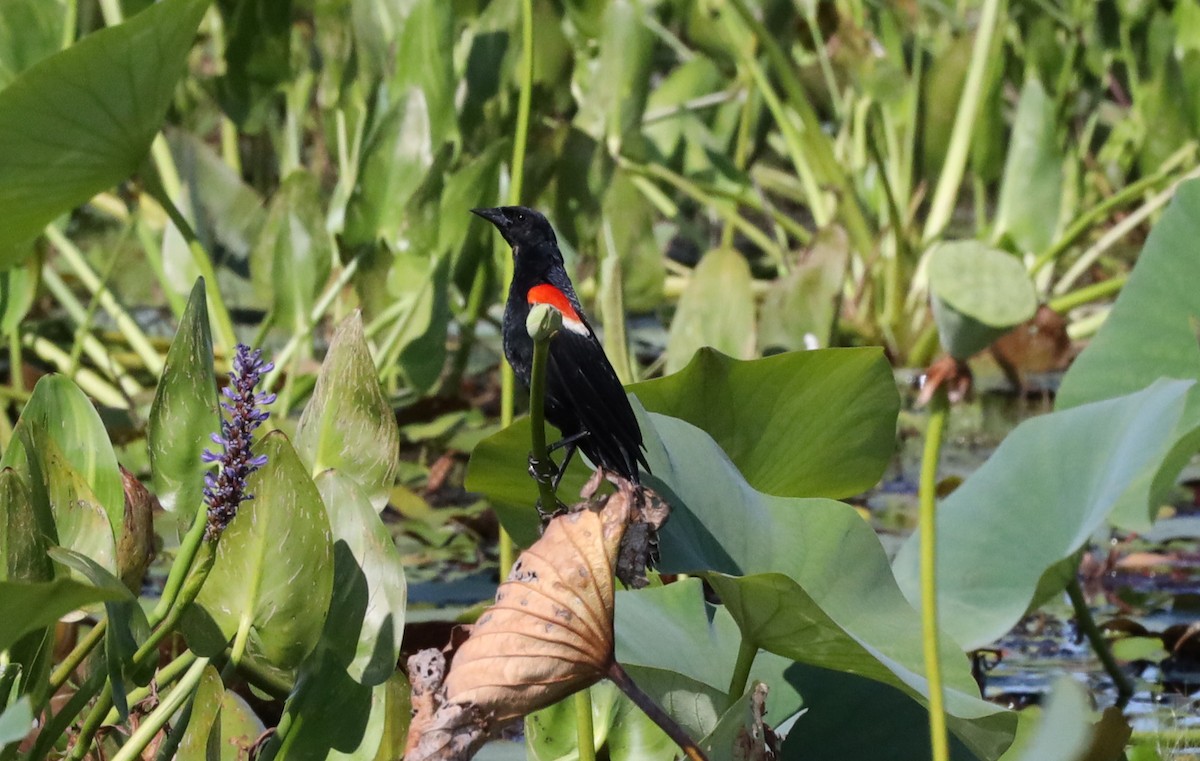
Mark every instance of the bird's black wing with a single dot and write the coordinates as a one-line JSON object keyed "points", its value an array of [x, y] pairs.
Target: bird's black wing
{"points": [[583, 385]]}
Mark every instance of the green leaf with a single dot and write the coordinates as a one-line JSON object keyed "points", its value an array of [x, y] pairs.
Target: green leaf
{"points": [[627, 228], [26, 530], [613, 87], [978, 294], [274, 566], [30, 30], [426, 34], [81, 120], [397, 153], [348, 424], [80, 521], [127, 625], [18, 289], [619, 726], [1032, 188], [716, 310], [800, 308], [366, 614], [202, 739], [184, 412], [420, 332], [1151, 332], [739, 734], [1065, 729], [59, 414], [997, 533], [16, 721], [27, 606], [292, 258], [321, 731], [813, 424], [257, 57]]}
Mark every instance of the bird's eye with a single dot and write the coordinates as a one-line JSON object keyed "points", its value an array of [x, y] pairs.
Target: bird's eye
{"points": [[520, 217]]}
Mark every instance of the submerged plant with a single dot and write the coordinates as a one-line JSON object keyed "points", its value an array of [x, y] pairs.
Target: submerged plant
{"points": [[225, 490]]}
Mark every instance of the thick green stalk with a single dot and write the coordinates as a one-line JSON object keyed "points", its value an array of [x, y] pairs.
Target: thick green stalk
{"points": [[521, 139], [1087, 624], [747, 651], [584, 730], [150, 726], [537, 406], [1088, 294], [939, 409], [946, 194], [63, 671], [181, 567], [163, 678]]}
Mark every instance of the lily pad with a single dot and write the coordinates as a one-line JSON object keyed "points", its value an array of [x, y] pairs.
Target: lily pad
{"points": [[1037, 500], [979, 293]]}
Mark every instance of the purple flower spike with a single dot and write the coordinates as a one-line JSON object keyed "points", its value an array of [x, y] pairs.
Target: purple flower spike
{"points": [[225, 490]]}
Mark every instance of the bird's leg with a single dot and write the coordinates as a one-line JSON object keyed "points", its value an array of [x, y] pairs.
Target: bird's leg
{"points": [[566, 441], [562, 469]]}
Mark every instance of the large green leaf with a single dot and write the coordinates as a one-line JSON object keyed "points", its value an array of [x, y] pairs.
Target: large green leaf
{"points": [[221, 726], [716, 310], [366, 614], [1035, 502], [291, 260], [30, 30], [620, 728], [26, 606], [274, 564], [79, 519], [59, 413], [184, 411], [320, 731], [1031, 192], [1064, 730], [812, 424], [348, 424], [427, 32], [81, 120], [1152, 329]]}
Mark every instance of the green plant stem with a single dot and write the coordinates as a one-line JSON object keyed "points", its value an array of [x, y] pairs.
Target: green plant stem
{"points": [[82, 649], [654, 711], [584, 731], [1088, 219], [90, 382], [165, 677], [1087, 624], [747, 651], [1088, 294], [70, 22], [520, 141], [537, 419], [16, 369], [152, 724], [129, 328], [939, 410], [946, 193], [610, 298], [184, 558]]}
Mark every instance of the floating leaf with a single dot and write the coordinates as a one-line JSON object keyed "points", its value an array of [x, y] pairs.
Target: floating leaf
{"points": [[274, 564], [999, 536], [978, 293], [348, 424], [716, 310], [813, 424], [27, 606], [366, 614], [184, 412], [81, 120]]}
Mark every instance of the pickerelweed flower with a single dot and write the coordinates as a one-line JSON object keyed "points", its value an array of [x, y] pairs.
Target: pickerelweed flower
{"points": [[225, 490]]}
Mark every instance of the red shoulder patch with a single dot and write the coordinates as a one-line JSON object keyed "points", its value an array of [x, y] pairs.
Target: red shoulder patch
{"points": [[548, 294]]}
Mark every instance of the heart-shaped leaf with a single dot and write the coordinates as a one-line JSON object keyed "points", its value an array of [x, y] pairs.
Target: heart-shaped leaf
{"points": [[366, 613], [81, 120], [348, 424], [1036, 501], [184, 411], [978, 294], [274, 567]]}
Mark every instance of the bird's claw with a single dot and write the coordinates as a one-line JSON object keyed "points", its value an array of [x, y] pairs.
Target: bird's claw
{"points": [[542, 471]]}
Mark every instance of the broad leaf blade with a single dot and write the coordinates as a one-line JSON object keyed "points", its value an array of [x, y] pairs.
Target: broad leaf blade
{"points": [[184, 411], [366, 614], [274, 564], [999, 534], [716, 310], [81, 120], [348, 424], [26, 606]]}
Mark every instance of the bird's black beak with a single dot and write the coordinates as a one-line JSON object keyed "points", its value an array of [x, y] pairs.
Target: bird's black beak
{"points": [[495, 216]]}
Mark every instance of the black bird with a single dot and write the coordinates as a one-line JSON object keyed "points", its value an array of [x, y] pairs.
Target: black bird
{"points": [[584, 398]]}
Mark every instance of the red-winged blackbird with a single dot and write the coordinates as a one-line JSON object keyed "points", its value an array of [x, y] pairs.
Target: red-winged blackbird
{"points": [[584, 398]]}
